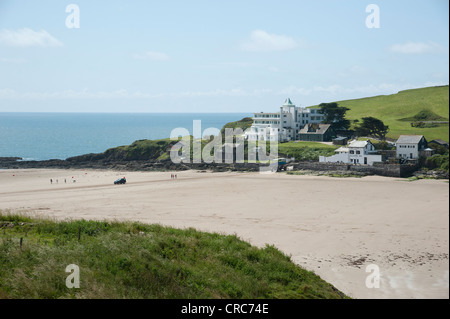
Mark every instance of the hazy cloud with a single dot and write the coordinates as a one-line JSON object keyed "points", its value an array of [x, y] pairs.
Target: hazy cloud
{"points": [[26, 37], [261, 41], [12, 60], [273, 69], [330, 91], [417, 48], [151, 55]]}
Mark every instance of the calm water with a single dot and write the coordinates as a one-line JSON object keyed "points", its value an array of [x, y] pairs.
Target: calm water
{"points": [[41, 136]]}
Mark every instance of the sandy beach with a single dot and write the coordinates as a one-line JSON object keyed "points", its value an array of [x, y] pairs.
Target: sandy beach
{"points": [[335, 227]]}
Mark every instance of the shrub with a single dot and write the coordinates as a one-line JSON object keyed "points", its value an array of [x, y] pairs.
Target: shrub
{"points": [[437, 161]]}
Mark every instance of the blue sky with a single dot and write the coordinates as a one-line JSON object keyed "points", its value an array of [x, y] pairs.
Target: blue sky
{"points": [[215, 56]]}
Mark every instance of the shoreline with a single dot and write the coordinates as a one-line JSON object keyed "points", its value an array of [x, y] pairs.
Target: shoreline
{"points": [[297, 168], [318, 220]]}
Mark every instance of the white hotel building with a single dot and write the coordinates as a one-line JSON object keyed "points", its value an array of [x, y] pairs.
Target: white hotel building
{"points": [[283, 125]]}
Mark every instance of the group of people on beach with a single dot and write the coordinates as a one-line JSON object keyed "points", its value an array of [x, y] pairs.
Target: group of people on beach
{"points": [[51, 181], [56, 181], [173, 176]]}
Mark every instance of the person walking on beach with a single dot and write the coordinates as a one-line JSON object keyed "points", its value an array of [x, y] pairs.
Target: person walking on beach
{"points": [[51, 181]]}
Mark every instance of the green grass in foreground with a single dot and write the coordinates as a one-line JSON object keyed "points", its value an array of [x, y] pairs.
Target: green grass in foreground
{"points": [[134, 260]]}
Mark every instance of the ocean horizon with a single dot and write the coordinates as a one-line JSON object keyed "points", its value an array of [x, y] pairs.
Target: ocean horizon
{"points": [[44, 136]]}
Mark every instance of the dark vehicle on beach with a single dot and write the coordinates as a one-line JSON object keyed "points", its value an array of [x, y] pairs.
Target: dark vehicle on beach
{"points": [[120, 181]]}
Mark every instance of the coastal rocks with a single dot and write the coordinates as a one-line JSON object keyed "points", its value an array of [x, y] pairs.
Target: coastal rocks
{"points": [[7, 162], [422, 174], [10, 159], [91, 161], [98, 161], [329, 173]]}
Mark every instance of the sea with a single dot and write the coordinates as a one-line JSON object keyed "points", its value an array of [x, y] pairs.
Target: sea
{"points": [[44, 136]]}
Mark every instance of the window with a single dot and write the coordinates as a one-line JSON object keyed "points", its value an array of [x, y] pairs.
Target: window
{"points": [[358, 152], [352, 152]]}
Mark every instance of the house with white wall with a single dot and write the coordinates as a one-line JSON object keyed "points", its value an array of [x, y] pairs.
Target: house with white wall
{"points": [[357, 152], [410, 146], [283, 126]]}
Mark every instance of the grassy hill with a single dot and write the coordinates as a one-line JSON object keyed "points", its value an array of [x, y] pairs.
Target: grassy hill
{"points": [[159, 149], [394, 109], [243, 124], [138, 150], [133, 260]]}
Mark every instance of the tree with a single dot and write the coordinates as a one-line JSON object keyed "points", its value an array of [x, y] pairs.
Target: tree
{"points": [[335, 115], [372, 126]]}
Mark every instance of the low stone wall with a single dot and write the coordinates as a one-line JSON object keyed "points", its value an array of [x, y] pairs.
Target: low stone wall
{"points": [[390, 170]]}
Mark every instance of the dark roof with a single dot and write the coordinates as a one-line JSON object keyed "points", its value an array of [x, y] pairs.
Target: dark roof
{"points": [[318, 129], [441, 142]]}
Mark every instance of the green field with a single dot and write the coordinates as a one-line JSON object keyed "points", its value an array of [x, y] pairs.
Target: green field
{"points": [[306, 151], [391, 109], [133, 260]]}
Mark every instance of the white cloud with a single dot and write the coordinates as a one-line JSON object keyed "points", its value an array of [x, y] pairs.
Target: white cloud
{"points": [[26, 37], [417, 48], [151, 55], [261, 41], [7, 94]]}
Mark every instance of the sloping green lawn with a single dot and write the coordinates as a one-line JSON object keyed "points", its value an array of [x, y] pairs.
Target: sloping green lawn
{"points": [[134, 260]]}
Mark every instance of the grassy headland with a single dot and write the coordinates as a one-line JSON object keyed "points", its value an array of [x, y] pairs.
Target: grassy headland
{"points": [[399, 110], [134, 260], [243, 124]]}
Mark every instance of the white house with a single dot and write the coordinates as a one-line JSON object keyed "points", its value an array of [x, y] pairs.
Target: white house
{"points": [[410, 146], [283, 125], [357, 152]]}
